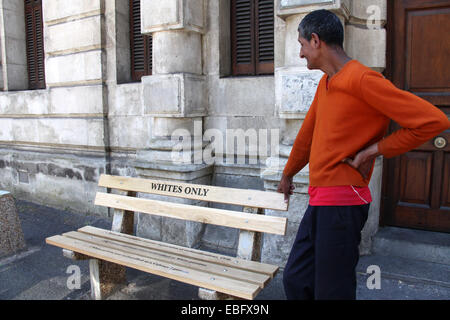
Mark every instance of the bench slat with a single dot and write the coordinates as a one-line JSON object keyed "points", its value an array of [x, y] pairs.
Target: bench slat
{"points": [[173, 259], [241, 197], [196, 254], [228, 218], [229, 286]]}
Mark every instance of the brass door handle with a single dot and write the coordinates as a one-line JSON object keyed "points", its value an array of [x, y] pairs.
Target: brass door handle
{"points": [[440, 142]]}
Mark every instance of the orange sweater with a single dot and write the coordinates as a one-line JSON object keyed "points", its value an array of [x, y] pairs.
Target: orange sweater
{"points": [[352, 114]]}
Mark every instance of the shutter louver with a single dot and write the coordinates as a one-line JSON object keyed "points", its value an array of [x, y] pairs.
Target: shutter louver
{"points": [[141, 59], [252, 36], [265, 37], [242, 28], [35, 44]]}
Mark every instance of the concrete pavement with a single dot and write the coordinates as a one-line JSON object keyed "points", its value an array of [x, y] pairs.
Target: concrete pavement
{"points": [[40, 272]]}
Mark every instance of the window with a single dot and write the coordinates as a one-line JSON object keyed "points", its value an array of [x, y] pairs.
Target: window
{"points": [[252, 37], [34, 44], [141, 45]]}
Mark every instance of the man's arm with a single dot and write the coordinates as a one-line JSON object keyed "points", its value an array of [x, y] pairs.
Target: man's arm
{"points": [[419, 120], [299, 156]]}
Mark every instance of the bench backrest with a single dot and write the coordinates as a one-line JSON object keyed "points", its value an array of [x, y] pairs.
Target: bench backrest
{"points": [[228, 218]]}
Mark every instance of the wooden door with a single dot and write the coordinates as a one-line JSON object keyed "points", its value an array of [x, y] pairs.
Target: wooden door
{"points": [[416, 185]]}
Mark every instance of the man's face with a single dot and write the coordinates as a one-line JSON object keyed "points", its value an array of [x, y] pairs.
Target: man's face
{"points": [[309, 51]]}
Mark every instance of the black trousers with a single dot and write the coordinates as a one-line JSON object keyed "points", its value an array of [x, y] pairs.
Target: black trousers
{"points": [[325, 253]]}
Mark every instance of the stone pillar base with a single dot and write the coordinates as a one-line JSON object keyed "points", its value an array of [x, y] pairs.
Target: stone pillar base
{"points": [[11, 235]]}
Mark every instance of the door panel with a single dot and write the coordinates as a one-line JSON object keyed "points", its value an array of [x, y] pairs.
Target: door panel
{"points": [[416, 191]]}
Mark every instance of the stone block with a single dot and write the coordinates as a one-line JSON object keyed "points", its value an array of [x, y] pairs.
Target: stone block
{"points": [[368, 46], [165, 127], [83, 99], [24, 102], [25, 130], [241, 96], [72, 35], [138, 138], [295, 89], [6, 134], [74, 68], [73, 131], [126, 100], [172, 15], [174, 95], [63, 9], [11, 234], [176, 52]]}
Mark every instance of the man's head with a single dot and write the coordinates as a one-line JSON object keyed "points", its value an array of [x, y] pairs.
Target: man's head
{"points": [[320, 30]]}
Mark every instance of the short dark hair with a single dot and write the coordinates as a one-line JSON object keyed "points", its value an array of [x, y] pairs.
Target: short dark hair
{"points": [[325, 24]]}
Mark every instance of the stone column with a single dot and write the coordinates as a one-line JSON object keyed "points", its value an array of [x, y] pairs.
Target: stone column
{"points": [[11, 234], [366, 42], [175, 96]]}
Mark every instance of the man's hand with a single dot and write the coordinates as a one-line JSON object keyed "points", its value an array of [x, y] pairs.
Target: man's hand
{"points": [[286, 186], [363, 160]]}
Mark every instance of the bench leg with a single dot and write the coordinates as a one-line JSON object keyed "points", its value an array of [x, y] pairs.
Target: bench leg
{"points": [[106, 277], [249, 248]]}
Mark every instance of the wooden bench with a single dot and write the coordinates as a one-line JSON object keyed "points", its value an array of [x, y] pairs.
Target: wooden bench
{"points": [[218, 276]]}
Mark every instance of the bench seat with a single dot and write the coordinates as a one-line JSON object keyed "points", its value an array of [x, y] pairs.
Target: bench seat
{"points": [[236, 277]]}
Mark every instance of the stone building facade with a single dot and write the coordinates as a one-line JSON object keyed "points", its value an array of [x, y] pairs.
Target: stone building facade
{"points": [[91, 118]]}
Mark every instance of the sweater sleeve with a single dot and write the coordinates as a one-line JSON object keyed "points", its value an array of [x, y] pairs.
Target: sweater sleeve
{"points": [[299, 156], [419, 120]]}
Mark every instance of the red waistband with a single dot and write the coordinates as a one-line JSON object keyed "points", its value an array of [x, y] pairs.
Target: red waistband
{"points": [[339, 196]]}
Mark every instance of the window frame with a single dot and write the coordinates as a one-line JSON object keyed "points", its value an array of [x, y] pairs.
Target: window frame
{"points": [[255, 67]]}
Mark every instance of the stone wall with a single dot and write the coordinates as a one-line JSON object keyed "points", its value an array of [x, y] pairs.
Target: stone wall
{"points": [[91, 119]]}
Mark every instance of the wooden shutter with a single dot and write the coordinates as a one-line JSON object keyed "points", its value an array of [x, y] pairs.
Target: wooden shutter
{"points": [[242, 37], [141, 45], [35, 44], [265, 37], [252, 36]]}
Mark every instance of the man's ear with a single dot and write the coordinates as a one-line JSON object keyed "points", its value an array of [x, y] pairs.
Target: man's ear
{"points": [[315, 40]]}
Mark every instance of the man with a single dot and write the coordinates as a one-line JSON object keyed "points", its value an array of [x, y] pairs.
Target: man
{"points": [[340, 138]]}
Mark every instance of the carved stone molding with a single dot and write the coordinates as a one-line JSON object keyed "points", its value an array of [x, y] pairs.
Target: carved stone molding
{"points": [[288, 8]]}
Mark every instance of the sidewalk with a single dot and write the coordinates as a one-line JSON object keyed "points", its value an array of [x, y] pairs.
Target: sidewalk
{"points": [[39, 272]]}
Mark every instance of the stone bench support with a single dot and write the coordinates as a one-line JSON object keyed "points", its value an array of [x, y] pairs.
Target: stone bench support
{"points": [[11, 234]]}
